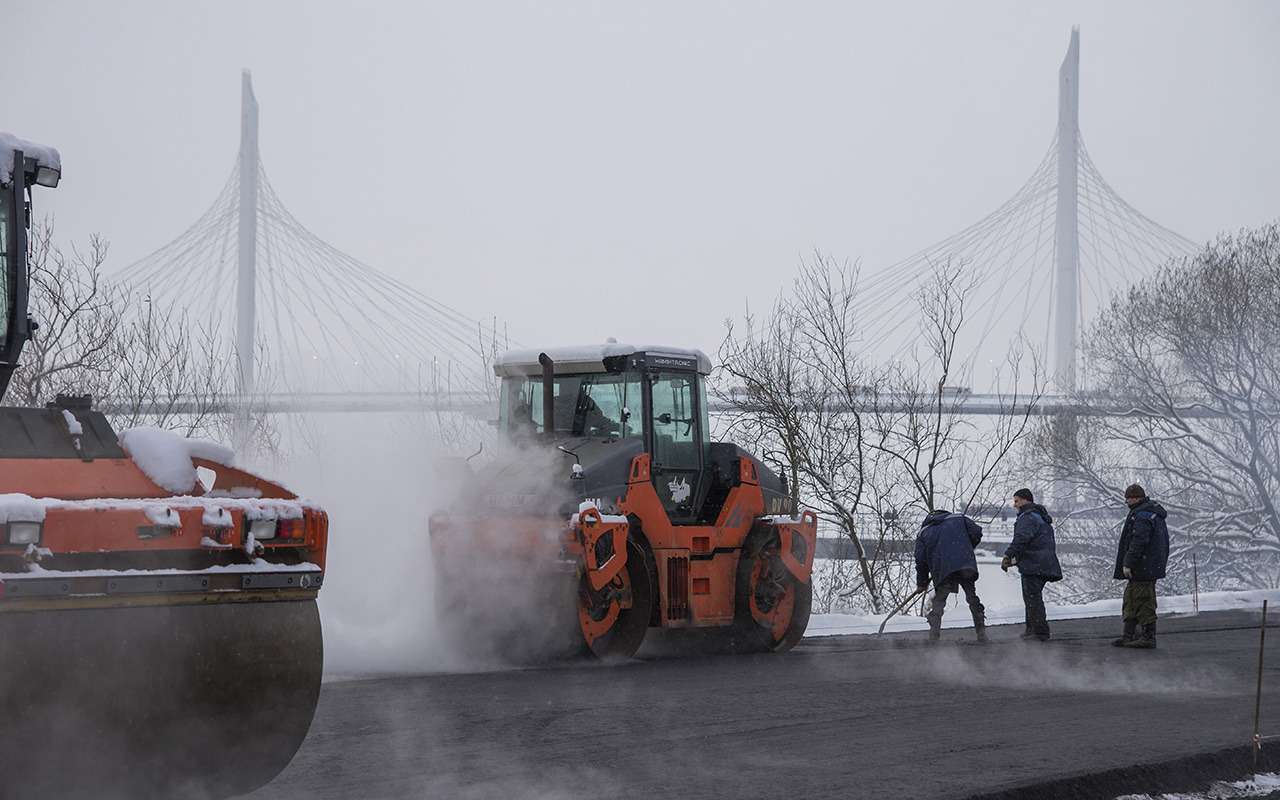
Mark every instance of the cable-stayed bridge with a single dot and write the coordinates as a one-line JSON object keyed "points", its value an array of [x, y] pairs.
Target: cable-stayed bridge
{"points": [[307, 317], [318, 330]]}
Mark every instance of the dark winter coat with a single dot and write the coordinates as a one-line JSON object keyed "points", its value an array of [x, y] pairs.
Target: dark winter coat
{"points": [[1033, 546], [944, 548], [1144, 543]]}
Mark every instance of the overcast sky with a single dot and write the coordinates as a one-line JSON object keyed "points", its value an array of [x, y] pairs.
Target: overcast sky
{"points": [[636, 170]]}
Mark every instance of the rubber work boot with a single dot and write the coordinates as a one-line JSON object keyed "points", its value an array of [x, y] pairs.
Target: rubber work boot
{"points": [[1130, 633], [935, 632], [979, 620], [1147, 641]]}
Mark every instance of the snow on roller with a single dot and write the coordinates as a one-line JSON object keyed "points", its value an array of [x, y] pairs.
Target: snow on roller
{"points": [[159, 637], [618, 516]]}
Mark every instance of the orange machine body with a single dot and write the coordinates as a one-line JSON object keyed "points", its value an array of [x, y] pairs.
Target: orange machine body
{"points": [[104, 518]]}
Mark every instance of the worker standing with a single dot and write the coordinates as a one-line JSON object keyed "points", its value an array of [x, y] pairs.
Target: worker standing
{"points": [[944, 551], [1141, 558], [1035, 552]]}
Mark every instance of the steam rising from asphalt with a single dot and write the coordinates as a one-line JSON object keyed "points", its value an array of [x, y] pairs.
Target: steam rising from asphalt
{"points": [[371, 473], [380, 477], [1034, 667]]}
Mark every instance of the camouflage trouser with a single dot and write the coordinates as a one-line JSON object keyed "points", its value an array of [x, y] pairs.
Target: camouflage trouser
{"points": [[1140, 602]]}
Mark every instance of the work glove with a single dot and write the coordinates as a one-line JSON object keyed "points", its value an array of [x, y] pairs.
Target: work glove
{"points": [[1005, 563], [920, 587], [1128, 573]]}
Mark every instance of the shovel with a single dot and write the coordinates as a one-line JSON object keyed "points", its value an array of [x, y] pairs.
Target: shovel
{"points": [[910, 599]]}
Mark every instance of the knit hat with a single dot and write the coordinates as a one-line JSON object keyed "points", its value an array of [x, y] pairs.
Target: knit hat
{"points": [[1135, 490], [1025, 494]]}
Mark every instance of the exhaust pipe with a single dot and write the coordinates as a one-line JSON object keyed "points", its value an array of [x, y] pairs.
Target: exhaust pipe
{"points": [[548, 394]]}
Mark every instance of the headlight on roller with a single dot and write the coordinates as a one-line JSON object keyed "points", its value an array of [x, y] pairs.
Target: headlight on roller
{"points": [[24, 532], [263, 529]]}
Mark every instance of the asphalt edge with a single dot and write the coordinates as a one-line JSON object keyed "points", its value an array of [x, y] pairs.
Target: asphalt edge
{"points": [[1194, 773]]}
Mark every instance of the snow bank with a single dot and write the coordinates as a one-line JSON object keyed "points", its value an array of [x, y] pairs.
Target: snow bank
{"points": [[73, 425], [777, 519], [20, 508], [163, 516], [216, 517], [211, 507], [43, 154], [608, 519], [1264, 784], [165, 457], [258, 565], [957, 615]]}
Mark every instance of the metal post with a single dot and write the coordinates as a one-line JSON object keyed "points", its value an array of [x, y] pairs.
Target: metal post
{"points": [[246, 277], [1257, 703], [1195, 583]]}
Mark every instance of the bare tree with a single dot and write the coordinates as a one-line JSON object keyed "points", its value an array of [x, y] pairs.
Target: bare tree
{"points": [[144, 364], [872, 449], [79, 318], [797, 388], [1192, 355]]}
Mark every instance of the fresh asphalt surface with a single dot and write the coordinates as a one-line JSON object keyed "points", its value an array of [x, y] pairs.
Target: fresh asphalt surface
{"points": [[846, 717]]}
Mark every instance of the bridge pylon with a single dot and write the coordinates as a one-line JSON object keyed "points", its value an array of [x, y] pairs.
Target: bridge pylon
{"points": [[1066, 314], [1067, 227], [247, 255]]}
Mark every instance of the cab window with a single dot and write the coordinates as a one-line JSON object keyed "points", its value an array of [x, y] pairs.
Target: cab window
{"points": [[604, 405], [676, 426]]}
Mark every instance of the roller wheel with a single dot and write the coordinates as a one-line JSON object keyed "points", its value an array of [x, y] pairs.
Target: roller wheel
{"points": [[772, 607], [624, 636]]}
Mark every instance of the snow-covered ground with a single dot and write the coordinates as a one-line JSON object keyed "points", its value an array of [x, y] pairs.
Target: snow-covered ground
{"points": [[957, 614], [1260, 785]]}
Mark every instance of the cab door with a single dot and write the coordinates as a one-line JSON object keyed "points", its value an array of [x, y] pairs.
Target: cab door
{"points": [[676, 438]]}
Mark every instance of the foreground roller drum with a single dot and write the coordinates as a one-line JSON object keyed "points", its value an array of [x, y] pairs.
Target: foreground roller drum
{"points": [[155, 701]]}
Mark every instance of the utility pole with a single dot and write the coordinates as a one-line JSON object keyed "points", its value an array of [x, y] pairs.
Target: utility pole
{"points": [[246, 277], [1067, 267]]}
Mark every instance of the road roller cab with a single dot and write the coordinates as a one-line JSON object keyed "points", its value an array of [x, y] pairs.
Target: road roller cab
{"points": [[158, 626], [610, 445]]}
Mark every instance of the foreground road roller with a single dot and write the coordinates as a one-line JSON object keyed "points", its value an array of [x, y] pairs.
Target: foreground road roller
{"points": [[159, 635], [609, 512]]}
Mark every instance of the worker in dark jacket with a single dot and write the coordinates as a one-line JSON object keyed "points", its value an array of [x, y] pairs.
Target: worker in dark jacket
{"points": [[944, 551], [1141, 559], [1035, 553]]}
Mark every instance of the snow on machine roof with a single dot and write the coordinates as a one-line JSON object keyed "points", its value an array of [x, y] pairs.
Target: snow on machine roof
{"points": [[590, 358], [43, 156]]}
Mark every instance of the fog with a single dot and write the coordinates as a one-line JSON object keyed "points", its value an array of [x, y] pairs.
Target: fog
{"points": [[1038, 668], [497, 155], [372, 473], [380, 477]]}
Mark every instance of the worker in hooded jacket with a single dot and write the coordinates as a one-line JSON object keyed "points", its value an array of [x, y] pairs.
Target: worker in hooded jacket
{"points": [[1141, 559], [944, 552], [1035, 552]]}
